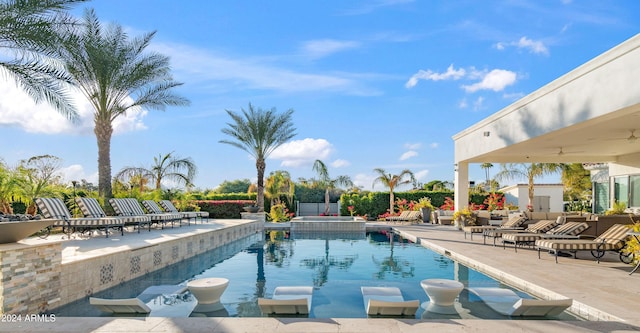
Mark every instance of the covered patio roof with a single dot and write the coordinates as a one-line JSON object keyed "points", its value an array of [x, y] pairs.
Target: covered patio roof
{"points": [[591, 114]]}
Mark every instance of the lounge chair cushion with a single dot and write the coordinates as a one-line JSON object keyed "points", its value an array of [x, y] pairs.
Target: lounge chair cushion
{"points": [[612, 239], [122, 305], [508, 303], [288, 301], [387, 301]]}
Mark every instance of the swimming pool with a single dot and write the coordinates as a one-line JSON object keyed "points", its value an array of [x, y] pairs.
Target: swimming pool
{"points": [[335, 267]]}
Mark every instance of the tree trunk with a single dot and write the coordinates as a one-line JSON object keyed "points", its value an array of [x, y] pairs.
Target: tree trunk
{"points": [[260, 166], [103, 131], [391, 200], [326, 201]]}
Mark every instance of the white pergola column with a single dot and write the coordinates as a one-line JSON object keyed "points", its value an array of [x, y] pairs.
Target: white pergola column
{"points": [[461, 185]]}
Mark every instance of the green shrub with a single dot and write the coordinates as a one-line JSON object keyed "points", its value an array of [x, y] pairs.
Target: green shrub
{"points": [[223, 209]]}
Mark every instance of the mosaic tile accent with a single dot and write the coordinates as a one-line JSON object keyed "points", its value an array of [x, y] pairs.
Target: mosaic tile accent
{"points": [[174, 252], [106, 274], [190, 248], [202, 245], [157, 258], [134, 265], [212, 241]]}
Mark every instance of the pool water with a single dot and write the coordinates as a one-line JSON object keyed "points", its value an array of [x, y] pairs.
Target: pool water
{"points": [[336, 268]]}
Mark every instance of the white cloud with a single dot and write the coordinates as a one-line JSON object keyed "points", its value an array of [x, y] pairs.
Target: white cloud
{"points": [[421, 175], [495, 80], [413, 146], [324, 47], [18, 109], [205, 68], [340, 163], [434, 145], [365, 181], [533, 46], [408, 155], [77, 172], [463, 104], [478, 103], [450, 74], [302, 152]]}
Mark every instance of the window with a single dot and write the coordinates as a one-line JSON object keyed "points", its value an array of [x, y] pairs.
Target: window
{"points": [[601, 197], [621, 189], [634, 182]]}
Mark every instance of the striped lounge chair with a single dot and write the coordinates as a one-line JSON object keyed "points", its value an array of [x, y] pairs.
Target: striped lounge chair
{"points": [[90, 207], [538, 227], [611, 240], [131, 207], [512, 223], [564, 231], [54, 208], [405, 216], [153, 208], [168, 207]]}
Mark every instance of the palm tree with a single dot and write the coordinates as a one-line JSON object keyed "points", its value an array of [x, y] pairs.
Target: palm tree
{"points": [[33, 31], [529, 171], [328, 183], [393, 181], [577, 182], [279, 182], [9, 187], [259, 132], [180, 170], [114, 74], [486, 167]]}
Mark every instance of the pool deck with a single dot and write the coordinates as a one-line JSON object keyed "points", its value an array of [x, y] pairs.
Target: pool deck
{"points": [[604, 290]]}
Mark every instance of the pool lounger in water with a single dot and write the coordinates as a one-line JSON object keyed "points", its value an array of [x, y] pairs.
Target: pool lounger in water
{"points": [[508, 303], [137, 304], [387, 301], [287, 301]]}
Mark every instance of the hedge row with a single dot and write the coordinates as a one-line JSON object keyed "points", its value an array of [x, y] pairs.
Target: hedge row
{"points": [[374, 204], [223, 209]]}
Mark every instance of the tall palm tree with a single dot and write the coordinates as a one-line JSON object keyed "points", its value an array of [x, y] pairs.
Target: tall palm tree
{"points": [[393, 181], [528, 171], [33, 31], [180, 170], [259, 132], [116, 76], [328, 183], [486, 167]]}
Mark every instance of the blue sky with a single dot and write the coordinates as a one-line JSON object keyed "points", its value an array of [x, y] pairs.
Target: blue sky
{"points": [[374, 84]]}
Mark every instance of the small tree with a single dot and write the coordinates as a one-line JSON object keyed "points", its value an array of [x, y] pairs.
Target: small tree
{"points": [[528, 171], [393, 181], [328, 183]]}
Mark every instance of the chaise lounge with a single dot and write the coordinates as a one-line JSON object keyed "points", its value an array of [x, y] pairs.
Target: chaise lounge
{"points": [[387, 301], [512, 223], [168, 207], [507, 302], [287, 301], [153, 208], [54, 208], [131, 207], [611, 240], [538, 227], [564, 231], [90, 207]]}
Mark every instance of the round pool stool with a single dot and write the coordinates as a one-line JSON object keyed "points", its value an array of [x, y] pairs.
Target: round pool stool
{"points": [[442, 295], [207, 292]]}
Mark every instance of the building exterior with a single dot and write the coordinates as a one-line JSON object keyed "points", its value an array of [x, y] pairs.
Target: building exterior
{"points": [[546, 197], [589, 115]]}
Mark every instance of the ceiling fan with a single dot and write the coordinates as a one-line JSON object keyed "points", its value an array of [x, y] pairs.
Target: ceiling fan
{"points": [[562, 152], [632, 138]]}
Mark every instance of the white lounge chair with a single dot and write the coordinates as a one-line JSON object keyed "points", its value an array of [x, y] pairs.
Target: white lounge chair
{"points": [[508, 303], [137, 304], [287, 301], [120, 305], [387, 301]]}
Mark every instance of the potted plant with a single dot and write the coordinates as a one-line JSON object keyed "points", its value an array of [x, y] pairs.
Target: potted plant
{"points": [[425, 207], [464, 217], [253, 208]]}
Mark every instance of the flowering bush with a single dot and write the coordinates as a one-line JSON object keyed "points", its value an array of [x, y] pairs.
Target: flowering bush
{"points": [[495, 201], [351, 210], [279, 212], [448, 204]]}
